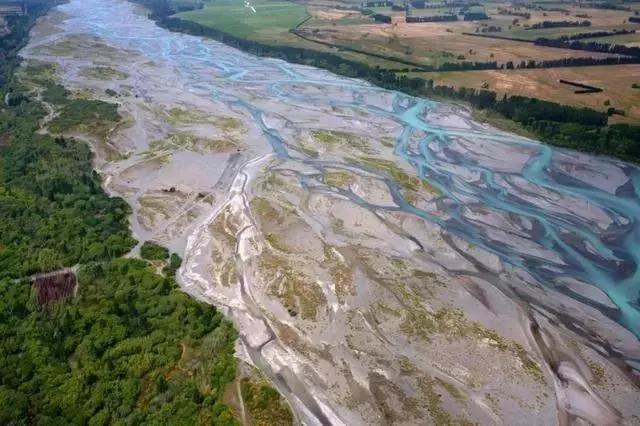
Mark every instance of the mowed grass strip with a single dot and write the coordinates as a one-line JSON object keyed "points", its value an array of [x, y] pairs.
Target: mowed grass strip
{"points": [[233, 17]]}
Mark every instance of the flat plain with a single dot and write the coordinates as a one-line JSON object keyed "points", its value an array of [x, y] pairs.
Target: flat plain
{"points": [[347, 29]]}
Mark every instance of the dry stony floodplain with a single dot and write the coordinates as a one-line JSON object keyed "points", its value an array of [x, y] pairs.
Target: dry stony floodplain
{"points": [[386, 259]]}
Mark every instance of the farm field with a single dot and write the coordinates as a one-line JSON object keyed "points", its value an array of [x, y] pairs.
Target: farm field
{"points": [[233, 17], [436, 43], [545, 84], [348, 30]]}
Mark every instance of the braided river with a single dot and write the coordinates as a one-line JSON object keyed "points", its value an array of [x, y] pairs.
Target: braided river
{"points": [[565, 222]]}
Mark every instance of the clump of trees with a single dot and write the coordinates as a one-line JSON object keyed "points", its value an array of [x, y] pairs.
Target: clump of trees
{"points": [[591, 46], [475, 16], [378, 17], [559, 24], [156, 253], [173, 265], [152, 251], [434, 18], [511, 12]]}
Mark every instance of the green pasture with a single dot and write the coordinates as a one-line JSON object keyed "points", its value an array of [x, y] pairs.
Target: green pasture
{"points": [[235, 18]]}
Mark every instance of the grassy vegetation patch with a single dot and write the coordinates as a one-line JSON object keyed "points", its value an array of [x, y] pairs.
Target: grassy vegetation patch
{"points": [[79, 45], [433, 398], [341, 273], [332, 140], [90, 116], [597, 372], [37, 74], [178, 116], [265, 405], [299, 294], [452, 324], [104, 73], [193, 143], [223, 231], [339, 179], [276, 242], [403, 179], [265, 210]]}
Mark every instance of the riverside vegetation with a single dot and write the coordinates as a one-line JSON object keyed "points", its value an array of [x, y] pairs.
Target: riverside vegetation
{"points": [[578, 128], [129, 347]]}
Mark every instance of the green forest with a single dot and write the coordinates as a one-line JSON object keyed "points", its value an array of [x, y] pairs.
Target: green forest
{"points": [[54, 211], [128, 347]]}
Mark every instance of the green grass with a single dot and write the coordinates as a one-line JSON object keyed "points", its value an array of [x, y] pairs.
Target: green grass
{"points": [[232, 17], [103, 73], [86, 114]]}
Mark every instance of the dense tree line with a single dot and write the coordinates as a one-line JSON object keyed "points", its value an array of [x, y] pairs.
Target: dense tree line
{"points": [[490, 29], [511, 12], [475, 16], [559, 24], [499, 37], [590, 126], [590, 46], [573, 62], [434, 18], [606, 6], [378, 4], [467, 66], [422, 4], [596, 34]]}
